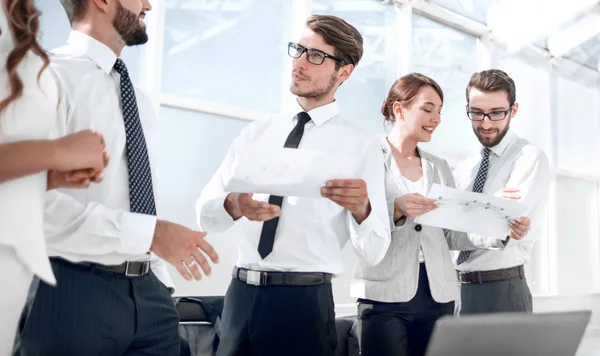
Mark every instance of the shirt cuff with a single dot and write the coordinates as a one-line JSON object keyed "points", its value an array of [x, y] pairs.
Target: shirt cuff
{"points": [[365, 228], [213, 216], [137, 231], [377, 237], [400, 223], [159, 267], [361, 229]]}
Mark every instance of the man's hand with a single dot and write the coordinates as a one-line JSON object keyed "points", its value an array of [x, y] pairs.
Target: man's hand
{"points": [[242, 204], [182, 247], [351, 194], [81, 150], [519, 228], [412, 205], [80, 178]]}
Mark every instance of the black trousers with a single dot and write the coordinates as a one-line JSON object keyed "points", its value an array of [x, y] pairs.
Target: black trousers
{"points": [[511, 295], [92, 312], [399, 329], [277, 320]]}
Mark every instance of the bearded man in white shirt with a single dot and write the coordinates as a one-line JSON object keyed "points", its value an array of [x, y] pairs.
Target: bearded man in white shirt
{"points": [[113, 294], [494, 280], [280, 300]]}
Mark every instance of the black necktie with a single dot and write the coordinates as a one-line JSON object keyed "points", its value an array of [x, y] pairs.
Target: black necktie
{"points": [[267, 235], [141, 194]]}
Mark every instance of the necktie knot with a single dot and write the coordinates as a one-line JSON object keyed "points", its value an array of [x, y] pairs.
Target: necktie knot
{"points": [[303, 118], [486, 152], [120, 67]]}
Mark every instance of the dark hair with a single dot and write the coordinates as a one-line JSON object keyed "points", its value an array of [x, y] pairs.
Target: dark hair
{"points": [[23, 19], [404, 90], [75, 9], [336, 32], [492, 80]]}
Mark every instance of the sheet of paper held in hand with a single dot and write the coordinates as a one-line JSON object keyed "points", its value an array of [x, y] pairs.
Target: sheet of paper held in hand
{"points": [[471, 212], [290, 172]]}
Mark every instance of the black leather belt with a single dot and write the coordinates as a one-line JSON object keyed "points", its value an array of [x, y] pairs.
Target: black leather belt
{"points": [[263, 278], [491, 276], [128, 268]]}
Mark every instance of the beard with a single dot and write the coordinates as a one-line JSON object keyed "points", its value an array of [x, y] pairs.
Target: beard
{"points": [[316, 93], [127, 24], [491, 141]]}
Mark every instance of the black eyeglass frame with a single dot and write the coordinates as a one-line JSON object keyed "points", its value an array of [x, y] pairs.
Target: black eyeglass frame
{"points": [[469, 112], [298, 48]]}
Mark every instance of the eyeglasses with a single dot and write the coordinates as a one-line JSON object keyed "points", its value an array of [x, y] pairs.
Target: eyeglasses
{"points": [[493, 116], [313, 55]]}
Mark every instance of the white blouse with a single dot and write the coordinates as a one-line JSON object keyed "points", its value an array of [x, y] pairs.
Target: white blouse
{"points": [[416, 187], [33, 116]]}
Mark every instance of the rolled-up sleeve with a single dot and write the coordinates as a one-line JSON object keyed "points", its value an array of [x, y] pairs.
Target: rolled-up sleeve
{"points": [[371, 238]]}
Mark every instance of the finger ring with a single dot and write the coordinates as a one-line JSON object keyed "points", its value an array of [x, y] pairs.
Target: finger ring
{"points": [[189, 264]]}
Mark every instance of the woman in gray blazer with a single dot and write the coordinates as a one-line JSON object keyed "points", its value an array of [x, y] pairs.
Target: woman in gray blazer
{"points": [[400, 299]]}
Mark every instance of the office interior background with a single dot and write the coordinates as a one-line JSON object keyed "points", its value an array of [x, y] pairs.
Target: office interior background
{"points": [[212, 66]]}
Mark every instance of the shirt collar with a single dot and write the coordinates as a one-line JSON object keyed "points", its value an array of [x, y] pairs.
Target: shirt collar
{"points": [[319, 115], [499, 149], [98, 52]]}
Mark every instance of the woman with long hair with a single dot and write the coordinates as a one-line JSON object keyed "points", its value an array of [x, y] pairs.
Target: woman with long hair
{"points": [[30, 160], [402, 297]]}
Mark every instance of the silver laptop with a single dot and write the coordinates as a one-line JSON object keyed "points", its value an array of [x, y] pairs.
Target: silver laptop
{"points": [[509, 334]]}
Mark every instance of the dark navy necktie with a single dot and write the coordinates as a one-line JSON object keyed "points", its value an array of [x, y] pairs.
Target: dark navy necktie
{"points": [[477, 188], [141, 193], [267, 235]]}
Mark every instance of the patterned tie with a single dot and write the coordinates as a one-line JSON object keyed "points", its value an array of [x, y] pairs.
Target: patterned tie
{"points": [[267, 235], [477, 188], [141, 193]]}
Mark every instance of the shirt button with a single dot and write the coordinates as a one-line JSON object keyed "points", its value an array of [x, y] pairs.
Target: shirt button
{"points": [[418, 227]]}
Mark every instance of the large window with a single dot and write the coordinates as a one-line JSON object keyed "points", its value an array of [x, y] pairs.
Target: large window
{"points": [[475, 9], [229, 52], [192, 146], [578, 246], [363, 94], [578, 127], [450, 58]]}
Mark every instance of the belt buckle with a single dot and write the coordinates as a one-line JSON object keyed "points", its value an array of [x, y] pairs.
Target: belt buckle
{"points": [[256, 278], [145, 269]]}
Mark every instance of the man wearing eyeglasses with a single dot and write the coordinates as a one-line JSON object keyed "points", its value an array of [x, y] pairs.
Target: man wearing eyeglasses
{"points": [[506, 165], [280, 299]]}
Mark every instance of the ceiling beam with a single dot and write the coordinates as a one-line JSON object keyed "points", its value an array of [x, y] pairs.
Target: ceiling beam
{"points": [[575, 34]]}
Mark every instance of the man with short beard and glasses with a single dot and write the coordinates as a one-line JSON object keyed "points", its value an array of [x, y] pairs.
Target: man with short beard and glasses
{"points": [[113, 295], [280, 300], [506, 165]]}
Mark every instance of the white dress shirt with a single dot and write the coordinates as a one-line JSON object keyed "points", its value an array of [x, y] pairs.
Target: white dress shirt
{"points": [[311, 232], [513, 163], [32, 116], [96, 224]]}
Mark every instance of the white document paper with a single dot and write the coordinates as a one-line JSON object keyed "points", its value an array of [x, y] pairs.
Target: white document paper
{"points": [[471, 212], [290, 172]]}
